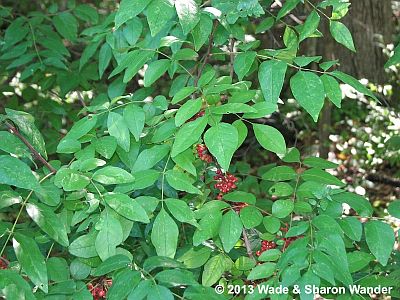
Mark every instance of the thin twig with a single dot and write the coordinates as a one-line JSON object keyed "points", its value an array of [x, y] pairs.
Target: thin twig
{"points": [[231, 56], [35, 153], [247, 244]]}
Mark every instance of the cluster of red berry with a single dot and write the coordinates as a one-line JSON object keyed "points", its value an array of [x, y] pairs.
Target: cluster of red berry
{"points": [[202, 153], [3, 263], [225, 182], [196, 116], [99, 290], [267, 245]]}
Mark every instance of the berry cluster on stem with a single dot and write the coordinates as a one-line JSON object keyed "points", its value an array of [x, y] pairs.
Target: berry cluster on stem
{"points": [[99, 289]]}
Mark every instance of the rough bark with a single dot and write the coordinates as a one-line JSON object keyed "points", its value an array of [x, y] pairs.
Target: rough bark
{"points": [[370, 22]]}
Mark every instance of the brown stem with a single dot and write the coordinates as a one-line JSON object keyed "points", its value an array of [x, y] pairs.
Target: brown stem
{"points": [[232, 56], [210, 42], [247, 244], [35, 153]]}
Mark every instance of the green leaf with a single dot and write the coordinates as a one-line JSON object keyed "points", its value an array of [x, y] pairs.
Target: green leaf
{"points": [[164, 234], [185, 54], [213, 270], [70, 180], [342, 34], [233, 108], [251, 217], [244, 263], [181, 182], [262, 271], [16, 173], [287, 7], [105, 55], [183, 93], [230, 230], [243, 62], [136, 63], [134, 117], [118, 128], [271, 75], [26, 125], [280, 173], [281, 189], [148, 158], [187, 110], [195, 257], [12, 144], [109, 237], [111, 264], [48, 222], [271, 224], [265, 24], [124, 282], [159, 292], [86, 13], [310, 25], [319, 163], [176, 277], [66, 25], [270, 138], [332, 89], [321, 176], [106, 146], [209, 227], [239, 196], [188, 134], [358, 260], [8, 198], [354, 83], [158, 14], [181, 211], [308, 90], [126, 207], [395, 58], [394, 209], [155, 262], [270, 255], [282, 208], [297, 230], [155, 70], [351, 227], [202, 31], [88, 53], [129, 9], [31, 260], [112, 175], [357, 202], [242, 131], [82, 127], [188, 14], [222, 140], [84, 246], [380, 240]]}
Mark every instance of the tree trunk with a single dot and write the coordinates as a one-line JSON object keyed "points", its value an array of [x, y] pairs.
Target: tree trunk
{"points": [[370, 22]]}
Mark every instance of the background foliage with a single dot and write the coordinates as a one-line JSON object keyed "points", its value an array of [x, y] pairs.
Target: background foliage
{"points": [[143, 152]]}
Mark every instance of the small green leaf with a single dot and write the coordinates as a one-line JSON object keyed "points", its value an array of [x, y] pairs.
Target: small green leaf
{"points": [[351, 227], [124, 282], [84, 246], [16, 173], [155, 262], [164, 234], [342, 34], [155, 70], [270, 138], [262, 271], [310, 25], [280, 173], [183, 93], [181, 182], [188, 14], [158, 14], [66, 25], [357, 202], [126, 207], [251, 217], [111, 264], [49, 222], [176, 277], [230, 230], [181, 211], [31, 260], [354, 83], [70, 180], [129, 9], [271, 75], [321, 176], [134, 117], [222, 140], [243, 63], [213, 270], [380, 240], [118, 128], [187, 110], [282, 208], [271, 224], [394, 209], [309, 92], [332, 89], [319, 163], [112, 175], [148, 158], [109, 237]]}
